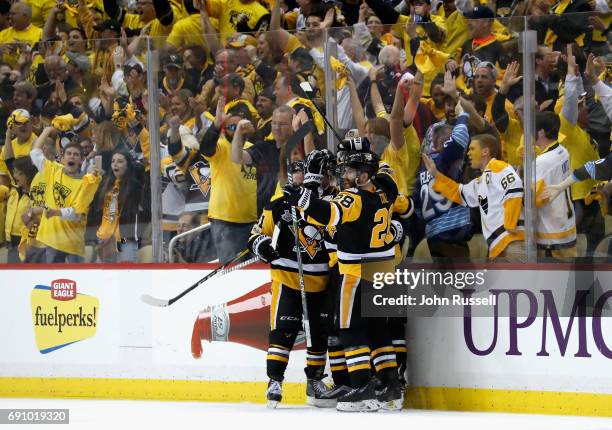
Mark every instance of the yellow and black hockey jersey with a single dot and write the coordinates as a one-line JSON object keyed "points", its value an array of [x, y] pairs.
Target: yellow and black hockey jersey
{"points": [[362, 219], [315, 260]]}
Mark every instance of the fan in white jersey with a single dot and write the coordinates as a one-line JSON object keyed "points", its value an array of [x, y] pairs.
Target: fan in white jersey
{"points": [[556, 225], [600, 170], [498, 192]]}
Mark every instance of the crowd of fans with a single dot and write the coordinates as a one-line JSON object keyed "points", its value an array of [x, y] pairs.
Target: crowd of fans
{"points": [[74, 107]]}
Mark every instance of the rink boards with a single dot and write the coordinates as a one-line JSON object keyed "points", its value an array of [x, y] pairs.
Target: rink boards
{"points": [[75, 332]]}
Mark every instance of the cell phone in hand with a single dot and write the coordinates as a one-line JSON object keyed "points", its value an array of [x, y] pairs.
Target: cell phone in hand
{"points": [[98, 162]]}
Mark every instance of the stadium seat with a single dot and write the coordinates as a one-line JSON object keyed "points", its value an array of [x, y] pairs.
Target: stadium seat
{"points": [[478, 248], [421, 253], [145, 254]]}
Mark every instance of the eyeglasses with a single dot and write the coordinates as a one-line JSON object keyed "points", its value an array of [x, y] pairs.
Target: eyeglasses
{"points": [[232, 127]]}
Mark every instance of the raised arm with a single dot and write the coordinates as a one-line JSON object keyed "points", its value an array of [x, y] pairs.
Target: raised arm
{"points": [[36, 154], [208, 145], [410, 109], [396, 122], [357, 107], [86, 19], [511, 77], [573, 89], [277, 36], [51, 22], [375, 98], [603, 91], [238, 154], [210, 35]]}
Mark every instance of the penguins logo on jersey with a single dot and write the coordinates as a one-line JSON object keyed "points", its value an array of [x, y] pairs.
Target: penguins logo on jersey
{"points": [[310, 239], [200, 173]]}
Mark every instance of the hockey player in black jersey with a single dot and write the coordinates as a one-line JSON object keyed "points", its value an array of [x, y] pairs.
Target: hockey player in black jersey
{"points": [[402, 211], [286, 307], [320, 175], [365, 232]]}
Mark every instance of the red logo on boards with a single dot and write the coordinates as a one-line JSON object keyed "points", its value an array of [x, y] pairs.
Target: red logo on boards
{"points": [[63, 289]]}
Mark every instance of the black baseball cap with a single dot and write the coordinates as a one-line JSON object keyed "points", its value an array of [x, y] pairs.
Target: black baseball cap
{"points": [[109, 24], [480, 12], [174, 60]]}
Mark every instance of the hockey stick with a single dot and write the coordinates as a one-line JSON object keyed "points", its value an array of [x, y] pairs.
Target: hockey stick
{"points": [[221, 270], [298, 251], [308, 90]]}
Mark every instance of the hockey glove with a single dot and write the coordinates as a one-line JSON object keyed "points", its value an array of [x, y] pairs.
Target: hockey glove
{"points": [[262, 247], [297, 196], [385, 182], [397, 231], [314, 165]]}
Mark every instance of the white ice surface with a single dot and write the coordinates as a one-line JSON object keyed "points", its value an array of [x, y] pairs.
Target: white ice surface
{"points": [[145, 415]]}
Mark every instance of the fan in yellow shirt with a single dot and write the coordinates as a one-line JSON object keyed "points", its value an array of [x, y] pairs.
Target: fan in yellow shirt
{"points": [[20, 35], [159, 15], [232, 207], [244, 16], [67, 198], [17, 205], [19, 124], [40, 10], [403, 154]]}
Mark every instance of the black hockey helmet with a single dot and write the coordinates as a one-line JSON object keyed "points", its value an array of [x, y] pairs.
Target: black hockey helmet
{"points": [[362, 162]]}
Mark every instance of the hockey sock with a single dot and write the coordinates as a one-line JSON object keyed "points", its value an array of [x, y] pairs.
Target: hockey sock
{"points": [[358, 364], [281, 342], [315, 363], [384, 362], [337, 361], [383, 352]]}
